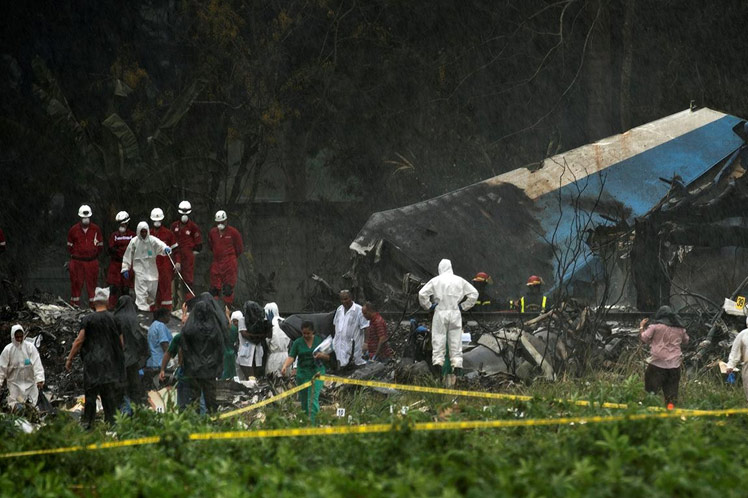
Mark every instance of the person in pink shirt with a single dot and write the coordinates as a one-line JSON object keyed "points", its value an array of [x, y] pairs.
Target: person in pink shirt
{"points": [[664, 336]]}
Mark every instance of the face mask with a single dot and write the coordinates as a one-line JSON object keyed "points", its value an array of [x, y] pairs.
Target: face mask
{"points": [[221, 226], [85, 221], [156, 224], [122, 229], [184, 218], [143, 236]]}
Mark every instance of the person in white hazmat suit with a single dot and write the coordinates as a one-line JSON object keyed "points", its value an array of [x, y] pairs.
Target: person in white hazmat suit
{"points": [[448, 291], [140, 257], [739, 355], [21, 366], [278, 344]]}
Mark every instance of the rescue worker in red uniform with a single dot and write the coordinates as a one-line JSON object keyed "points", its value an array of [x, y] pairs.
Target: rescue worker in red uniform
{"points": [[163, 263], [118, 284], [85, 243], [189, 242], [226, 244]]}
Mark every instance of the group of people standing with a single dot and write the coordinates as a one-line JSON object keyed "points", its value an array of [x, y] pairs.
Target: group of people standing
{"points": [[148, 259]]}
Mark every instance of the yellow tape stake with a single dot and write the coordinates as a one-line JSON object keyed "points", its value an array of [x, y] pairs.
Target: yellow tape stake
{"points": [[264, 402], [378, 428]]}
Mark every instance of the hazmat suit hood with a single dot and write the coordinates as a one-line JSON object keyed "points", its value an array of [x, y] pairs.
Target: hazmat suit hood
{"points": [[445, 266], [13, 330], [141, 226], [272, 313]]}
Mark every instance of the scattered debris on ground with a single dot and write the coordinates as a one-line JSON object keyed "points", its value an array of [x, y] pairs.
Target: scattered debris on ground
{"points": [[504, 351]]}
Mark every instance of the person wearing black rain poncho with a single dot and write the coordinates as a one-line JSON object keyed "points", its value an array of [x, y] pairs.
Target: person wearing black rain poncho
{"points": [[136, 347], [202, 352], [100, 345]]}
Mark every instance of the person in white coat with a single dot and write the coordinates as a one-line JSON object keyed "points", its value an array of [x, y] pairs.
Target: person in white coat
{"points": [[444, 294], [140, 257], [739, 355], [349, 324], [278, 344], [21, 366]]}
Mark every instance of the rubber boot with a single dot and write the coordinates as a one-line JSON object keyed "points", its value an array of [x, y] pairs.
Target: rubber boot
{"points": [[436, 371]]}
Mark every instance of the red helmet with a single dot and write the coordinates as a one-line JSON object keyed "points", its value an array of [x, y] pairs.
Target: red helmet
{"points": [[481, 277], [534, 280]]}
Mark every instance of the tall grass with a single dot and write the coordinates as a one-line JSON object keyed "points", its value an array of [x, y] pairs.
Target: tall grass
{"points": [[673, 457]]}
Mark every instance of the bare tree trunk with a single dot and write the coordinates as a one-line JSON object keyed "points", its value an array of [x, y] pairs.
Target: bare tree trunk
{"points": [[598, 75], [626, 64]]}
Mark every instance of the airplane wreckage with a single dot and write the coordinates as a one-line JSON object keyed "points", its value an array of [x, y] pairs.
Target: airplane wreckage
{"points": [[616, 228]]}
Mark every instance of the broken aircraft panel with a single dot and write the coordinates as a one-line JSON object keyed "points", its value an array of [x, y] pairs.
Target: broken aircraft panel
{"points": [[527, 222]]}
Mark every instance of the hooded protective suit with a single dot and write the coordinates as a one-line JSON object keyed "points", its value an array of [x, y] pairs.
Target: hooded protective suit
{"points": [[447, 290], [279, 341], [140, 257], [21, 366]]}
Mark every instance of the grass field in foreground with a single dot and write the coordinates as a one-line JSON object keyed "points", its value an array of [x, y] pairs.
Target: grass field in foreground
{"points": [[675, 457]]}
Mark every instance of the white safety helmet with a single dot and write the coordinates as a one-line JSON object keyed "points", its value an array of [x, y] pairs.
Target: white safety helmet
{"points": [[122, 217], [221, 216], [184, 207], [85, 211], [157, 214]]}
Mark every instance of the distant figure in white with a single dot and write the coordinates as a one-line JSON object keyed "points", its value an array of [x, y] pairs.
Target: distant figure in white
{"points": [[21, 366], [349, 324], [444, 295], [278, 344]]}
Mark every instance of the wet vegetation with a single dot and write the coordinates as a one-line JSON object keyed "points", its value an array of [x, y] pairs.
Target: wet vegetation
{"points": [[684, 456]]}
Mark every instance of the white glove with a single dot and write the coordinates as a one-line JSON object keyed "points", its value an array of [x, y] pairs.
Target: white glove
{"points": [[178, 266]]}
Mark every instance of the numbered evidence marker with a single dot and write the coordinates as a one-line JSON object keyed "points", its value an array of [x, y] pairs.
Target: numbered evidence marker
{"points": [[340, 412], [740, 302]]}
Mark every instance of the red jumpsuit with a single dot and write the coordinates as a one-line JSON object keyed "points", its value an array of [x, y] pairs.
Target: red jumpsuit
{"points": [[189, 239], [165, 268], [2, 241], [84, 246], [114, 277], [226, 247]]}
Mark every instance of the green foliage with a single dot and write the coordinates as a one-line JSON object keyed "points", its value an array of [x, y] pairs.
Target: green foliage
{"points": [[672, 457]]}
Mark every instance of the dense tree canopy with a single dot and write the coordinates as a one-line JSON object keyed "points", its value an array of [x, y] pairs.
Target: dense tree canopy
{"points": [[117, 102]]}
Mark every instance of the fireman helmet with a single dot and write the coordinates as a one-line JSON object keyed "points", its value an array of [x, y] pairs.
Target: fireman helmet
{"points": [[221, 216], [184, 207], [85, 211], [481, 277], [122, 217], [157, 214], [534, 280]]}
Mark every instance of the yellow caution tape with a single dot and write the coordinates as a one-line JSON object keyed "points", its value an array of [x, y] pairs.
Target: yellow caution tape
{"points": [[455, 392], [264, 402], [93, 446], [378, 428]]}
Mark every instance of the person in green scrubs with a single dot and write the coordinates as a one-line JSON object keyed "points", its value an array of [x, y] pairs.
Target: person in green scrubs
{"points": [[309, 364]]}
